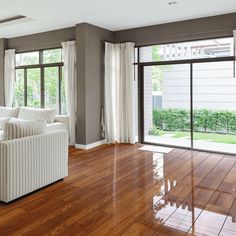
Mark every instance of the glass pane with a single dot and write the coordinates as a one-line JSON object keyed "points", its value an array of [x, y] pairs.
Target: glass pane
{"points": [[63, 94], [209, 48], [52, 55], [19, 89], [167, 105], [28, 58], [33, 88], [135, 55], [51, 86], [214, 96]]}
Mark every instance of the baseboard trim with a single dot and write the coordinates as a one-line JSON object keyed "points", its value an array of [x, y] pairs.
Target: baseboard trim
{"points": [[91, 145]]}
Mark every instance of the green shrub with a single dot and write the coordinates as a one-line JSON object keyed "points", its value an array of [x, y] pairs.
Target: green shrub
{"points": [[155, 130], [201, 120], [204, 120]]}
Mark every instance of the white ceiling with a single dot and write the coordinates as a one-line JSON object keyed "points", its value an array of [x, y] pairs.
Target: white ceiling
{"points": [[114, 15], [4, 15]]}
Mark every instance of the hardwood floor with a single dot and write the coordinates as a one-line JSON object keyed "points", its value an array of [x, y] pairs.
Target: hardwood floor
{"points": [[122, 190]]}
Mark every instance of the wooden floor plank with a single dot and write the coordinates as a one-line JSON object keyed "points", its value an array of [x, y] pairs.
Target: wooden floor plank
{"points": [[181, 195], [229, 226], [211, 218]]}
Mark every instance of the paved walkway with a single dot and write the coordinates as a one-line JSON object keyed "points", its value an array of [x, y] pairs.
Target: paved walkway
{"points": [[199, 144]]}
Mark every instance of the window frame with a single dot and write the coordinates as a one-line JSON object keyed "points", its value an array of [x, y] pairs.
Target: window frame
{"points": [[42, 66], [140, 76], [193, 60]]}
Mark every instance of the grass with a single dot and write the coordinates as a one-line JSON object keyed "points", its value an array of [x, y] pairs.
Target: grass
{"points": [[211, 137]]}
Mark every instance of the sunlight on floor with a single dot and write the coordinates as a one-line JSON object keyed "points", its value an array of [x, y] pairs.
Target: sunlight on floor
{"points": [[153, 148]]}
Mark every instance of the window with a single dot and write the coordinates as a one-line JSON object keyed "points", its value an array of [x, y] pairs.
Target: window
{"points": [[188, 95], [28, 58], [209, 48], [40, 80], [52, 56]]}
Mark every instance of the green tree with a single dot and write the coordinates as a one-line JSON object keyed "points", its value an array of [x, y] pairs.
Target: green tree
{"points": [[158, 71]]}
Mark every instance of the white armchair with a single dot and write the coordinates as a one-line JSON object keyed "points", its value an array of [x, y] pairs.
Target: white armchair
{"points": [[30, 163]]}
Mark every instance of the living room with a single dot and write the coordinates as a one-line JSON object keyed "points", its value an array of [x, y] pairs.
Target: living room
{"points": [[117, 121]]}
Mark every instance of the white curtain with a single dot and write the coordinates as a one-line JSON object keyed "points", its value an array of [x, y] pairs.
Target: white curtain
{"points": [[69, 53], [9, 76], [234, 32], [119, 88]]}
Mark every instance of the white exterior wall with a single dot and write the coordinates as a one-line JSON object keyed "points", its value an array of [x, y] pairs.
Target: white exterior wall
{"points": [[146, 55], [214, 87]]}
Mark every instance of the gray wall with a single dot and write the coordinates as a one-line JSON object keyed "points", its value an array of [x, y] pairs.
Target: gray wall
{"points": [[202, 28], [90, 51], [44, 40]]}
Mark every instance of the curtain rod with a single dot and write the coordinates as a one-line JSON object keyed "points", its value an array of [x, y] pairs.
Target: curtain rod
{"points": [[107, 41], [40, 45]]}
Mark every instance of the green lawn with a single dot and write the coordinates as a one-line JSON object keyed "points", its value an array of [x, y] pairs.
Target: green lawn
{"points": [[218, 138]]}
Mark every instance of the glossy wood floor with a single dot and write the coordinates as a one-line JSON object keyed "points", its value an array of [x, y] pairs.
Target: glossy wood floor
{"points": [[122, 190]]}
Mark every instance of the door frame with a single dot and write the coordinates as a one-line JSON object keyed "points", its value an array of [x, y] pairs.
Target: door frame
{"points": [[191, 62]]}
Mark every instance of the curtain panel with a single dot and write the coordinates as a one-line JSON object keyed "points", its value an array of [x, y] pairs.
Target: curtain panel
{"points": [[234, 33], [9, 76], [119, 90], [69, 53]]}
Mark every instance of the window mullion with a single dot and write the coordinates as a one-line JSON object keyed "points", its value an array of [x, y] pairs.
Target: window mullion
{"points": [[42, 95], [42, 87], [40, 57], [60, 78], [25, 87]]}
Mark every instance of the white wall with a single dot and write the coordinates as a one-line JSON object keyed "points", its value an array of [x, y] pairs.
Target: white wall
{"points": [[214, 86]]}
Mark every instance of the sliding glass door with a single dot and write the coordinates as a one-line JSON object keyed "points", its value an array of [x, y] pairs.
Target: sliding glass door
{"points": [[188, 94], [190, 105], [166, 103], [214, 106]]}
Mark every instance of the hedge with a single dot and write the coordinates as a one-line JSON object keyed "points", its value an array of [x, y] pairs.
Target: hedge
{"points": [[204, 120]]}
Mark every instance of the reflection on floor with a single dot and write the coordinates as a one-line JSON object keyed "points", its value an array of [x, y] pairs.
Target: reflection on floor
{"points": [[155, 149], [122, 190], [198, 144]]}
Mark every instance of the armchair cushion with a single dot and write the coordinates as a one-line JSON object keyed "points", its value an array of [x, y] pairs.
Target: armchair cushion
{"points": [[15, 130], [8, 111], [36, 113]]}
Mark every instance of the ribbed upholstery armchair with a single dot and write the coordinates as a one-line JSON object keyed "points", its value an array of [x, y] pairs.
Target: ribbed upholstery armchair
{"points": [[30, 163]]}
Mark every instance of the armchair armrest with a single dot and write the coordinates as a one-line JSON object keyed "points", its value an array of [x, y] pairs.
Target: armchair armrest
{"points": [[63, 119]]}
